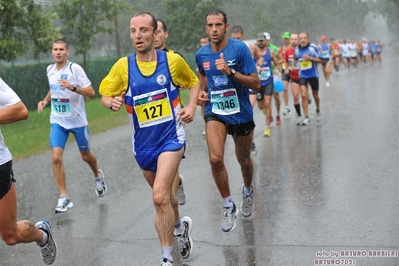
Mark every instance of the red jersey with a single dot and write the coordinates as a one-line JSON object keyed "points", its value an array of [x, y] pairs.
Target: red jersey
{"points": [[289, 57]]}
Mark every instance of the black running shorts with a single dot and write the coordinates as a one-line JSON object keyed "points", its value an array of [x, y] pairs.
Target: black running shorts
{"points": [[243, 129], [6, 178]]}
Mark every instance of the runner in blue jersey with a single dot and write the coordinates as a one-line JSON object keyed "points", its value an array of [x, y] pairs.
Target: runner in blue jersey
{"points": [[228, 68], [148, 82], [373, 51], [379, 50], [308, 56], [264, 95], [324, 48]]}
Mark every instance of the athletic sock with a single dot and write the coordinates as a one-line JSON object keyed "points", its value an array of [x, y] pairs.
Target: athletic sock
{"points": [[44, 239], [247, 191], [227, 202], [167, 253], [298, 109], [179, 229]]}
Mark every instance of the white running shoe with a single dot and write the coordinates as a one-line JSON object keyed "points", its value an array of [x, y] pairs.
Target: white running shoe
{"points": [[306, 122], [101, 192], [229, 216], [49, 250], [318, 116], [63, 205], [247, 204], [181, 194], [299, 120]]}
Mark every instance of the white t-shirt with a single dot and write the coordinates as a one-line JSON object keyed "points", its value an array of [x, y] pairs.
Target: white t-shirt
{"points": [[7, 97], [352, 49], [67, 107], [345, 50]]}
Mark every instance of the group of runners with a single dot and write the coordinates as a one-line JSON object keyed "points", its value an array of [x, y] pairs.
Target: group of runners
{"points": [[231, 77], [348, 52]]}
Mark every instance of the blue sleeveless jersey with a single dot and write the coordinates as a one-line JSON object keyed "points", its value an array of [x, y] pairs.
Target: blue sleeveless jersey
{"points": [[229, 99], [325, 50], [266, 76], [153, 103]]}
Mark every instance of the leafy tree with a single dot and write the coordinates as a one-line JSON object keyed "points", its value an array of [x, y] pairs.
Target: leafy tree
{"points": [[389, 9], [24, 24], [82, 20], [186, 22]]}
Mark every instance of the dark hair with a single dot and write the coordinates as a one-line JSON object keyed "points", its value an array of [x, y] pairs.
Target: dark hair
{"points": [[217, 12], [205, 37], [237, 29], [154, 20], [165, 28], [61, 41], [307, 35]]}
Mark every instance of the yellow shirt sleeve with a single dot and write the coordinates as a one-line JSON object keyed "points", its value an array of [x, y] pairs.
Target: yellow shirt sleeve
{"points": [[181, 72], [116, 81]]}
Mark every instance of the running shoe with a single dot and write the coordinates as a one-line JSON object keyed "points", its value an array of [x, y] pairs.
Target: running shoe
{"points": [[247, 204], [278, 120], [306, 121], [63, 205], [271, 119], [229, 216], [166, 262], [266, 132], [101, 187], [287, 111], [254, 151], [309, 100], [49, 250], [185, 240], [181, 195], [318, 116], [299, 120], [327, 84]]}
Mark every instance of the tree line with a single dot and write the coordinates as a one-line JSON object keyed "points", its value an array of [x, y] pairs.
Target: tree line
{"points": [[29, 28]]}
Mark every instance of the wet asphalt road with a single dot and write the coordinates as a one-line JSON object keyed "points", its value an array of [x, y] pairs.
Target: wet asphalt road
{"points": [[330, 187]]}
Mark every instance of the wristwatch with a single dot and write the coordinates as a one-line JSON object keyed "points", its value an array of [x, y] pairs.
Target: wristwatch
{"points": [[74, 88], [232, 72]]}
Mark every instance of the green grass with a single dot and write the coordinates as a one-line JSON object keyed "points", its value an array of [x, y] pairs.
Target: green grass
{"points": [[30, 137]]}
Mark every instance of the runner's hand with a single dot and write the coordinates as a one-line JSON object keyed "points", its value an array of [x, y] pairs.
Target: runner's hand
{"points": [[221, 65], [187, 114], [117, 102], [41, 105], [202, 98]]}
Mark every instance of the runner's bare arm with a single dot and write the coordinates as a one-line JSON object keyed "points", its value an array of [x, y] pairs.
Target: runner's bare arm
{"points": [[43, 103], [13, 113]]}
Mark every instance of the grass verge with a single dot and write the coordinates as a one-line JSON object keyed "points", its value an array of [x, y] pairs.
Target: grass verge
{"points": [[30, 137]]}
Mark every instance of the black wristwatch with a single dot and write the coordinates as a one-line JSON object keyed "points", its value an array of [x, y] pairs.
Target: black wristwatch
{"points": [[74, 88], [232, 72]]}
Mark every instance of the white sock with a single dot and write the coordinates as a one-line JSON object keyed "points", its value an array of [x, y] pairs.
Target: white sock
{"points": [[227, 202], [179, 228], [44, 239], [167, 253], [247, 190]]}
